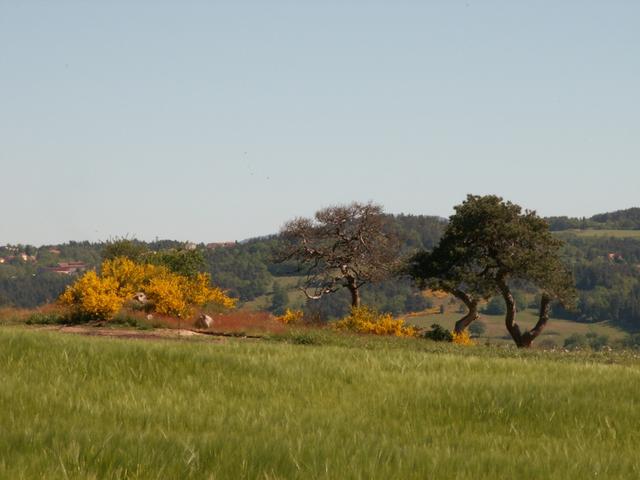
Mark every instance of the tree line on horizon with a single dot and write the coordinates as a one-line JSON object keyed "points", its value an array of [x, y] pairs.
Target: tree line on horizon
{"points": [[608, 285]]}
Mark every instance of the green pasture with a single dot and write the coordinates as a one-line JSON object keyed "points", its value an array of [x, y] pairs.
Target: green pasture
{"points": [[556, 332], [337, 407]]}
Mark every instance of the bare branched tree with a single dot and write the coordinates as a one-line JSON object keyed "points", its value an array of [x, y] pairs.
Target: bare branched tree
{"points": [[342, 247]]}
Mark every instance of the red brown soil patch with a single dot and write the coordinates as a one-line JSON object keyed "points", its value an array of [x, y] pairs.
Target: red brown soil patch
{"points": [[228, 324]]}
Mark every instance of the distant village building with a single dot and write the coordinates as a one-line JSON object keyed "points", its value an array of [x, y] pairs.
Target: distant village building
{"points": [[54, 251], [67, 268]]}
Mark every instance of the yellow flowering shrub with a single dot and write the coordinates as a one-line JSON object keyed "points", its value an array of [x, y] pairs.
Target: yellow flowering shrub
{"points": [[93, 296], [291, 317], [130, 276], [462, 338], [199, 292], [168, 293], [367, 320]]}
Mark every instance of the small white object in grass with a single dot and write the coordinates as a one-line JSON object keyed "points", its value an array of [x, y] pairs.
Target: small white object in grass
{"points": [[204, 321]]}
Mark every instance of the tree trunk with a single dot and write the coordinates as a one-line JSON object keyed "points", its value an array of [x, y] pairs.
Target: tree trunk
{"points": [[355, 294], [510, 316], [530, 336], [523, 340], [472, 314]]}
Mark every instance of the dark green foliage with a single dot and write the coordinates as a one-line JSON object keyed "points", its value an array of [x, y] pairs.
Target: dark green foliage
{"points": [[181, 261], [590, 340], [328, 307], [125, 319], [395, 296], [478, 328], [621, 219], [496, 305], [416, 302], [87, 252], [438, 334], [629, 218], [36, 289], [499, 242], [242, 269], [304, 339], [488, 244], [632, 341], [40, 318], [607, 273], [4, 300], [416, 232], [279, 299], [124, 247]]}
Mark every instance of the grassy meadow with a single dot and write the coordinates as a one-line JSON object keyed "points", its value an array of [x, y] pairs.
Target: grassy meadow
{"points": [[311, 405]]}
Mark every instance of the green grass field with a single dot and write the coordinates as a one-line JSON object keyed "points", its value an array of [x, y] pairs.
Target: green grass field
{"points": [[345, 408]]}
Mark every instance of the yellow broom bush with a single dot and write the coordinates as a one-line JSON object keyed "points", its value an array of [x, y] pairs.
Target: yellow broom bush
{"points": [[366, 320], [101, 296], [93, 296], [291, 317], [199, 292], [462, 338]]}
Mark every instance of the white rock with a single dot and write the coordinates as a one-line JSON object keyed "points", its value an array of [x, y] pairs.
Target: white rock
{"points": [[204, 321]]}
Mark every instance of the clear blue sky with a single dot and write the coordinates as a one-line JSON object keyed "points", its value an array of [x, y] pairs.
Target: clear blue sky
{"points": [[212, 121]]}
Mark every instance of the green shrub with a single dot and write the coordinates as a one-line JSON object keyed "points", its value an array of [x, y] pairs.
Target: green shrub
{"points": [[631, 341], [126, 319], [589, 340], [52, 318], [438, 334], [478, 328]]}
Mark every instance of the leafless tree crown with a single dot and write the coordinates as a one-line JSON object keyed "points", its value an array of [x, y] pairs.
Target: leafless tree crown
{"points": [[342, 247]]}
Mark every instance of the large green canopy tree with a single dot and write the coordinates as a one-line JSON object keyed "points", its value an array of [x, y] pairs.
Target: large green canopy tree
{"points": [[488, 245]]}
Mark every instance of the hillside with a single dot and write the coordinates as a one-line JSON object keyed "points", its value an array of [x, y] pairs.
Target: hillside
{"points": [[606, 266], [628, 219]]}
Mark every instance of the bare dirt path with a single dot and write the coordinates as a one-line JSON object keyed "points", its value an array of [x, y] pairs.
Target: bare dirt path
{"points": [[126, 333]]}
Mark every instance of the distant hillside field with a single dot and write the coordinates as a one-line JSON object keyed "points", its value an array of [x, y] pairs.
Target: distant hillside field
{"points": [[604, 233], [555, 334], [80, 408]]}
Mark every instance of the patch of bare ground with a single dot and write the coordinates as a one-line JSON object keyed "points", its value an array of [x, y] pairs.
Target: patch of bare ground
{"points": [[155, 334]]}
